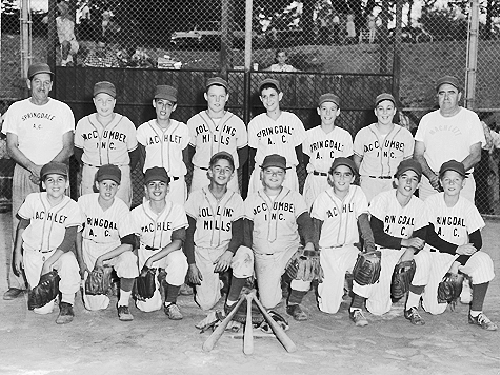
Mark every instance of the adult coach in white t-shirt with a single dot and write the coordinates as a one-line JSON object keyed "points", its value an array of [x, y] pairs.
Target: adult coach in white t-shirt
{"points": [[38, 129], [452, 132]]}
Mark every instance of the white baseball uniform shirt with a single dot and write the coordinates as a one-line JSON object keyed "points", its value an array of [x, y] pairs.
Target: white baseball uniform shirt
{"points": [[214, 219], [382, 153], [210, 136], [275, 221], [108, 144], [47, 224], [340, 217], [164, 146]]}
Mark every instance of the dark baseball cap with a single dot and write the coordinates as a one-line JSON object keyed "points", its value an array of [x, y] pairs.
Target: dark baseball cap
{"points": [[270, 82], [222, 155], [39, 68], [156, 174], [54, 167], [274, 160], [452, 165], [383, 97], [329, 98], [109, 172], [452, 80], [216, 81], [343, 161], [409, 165], [105, 87], [166, 92]]}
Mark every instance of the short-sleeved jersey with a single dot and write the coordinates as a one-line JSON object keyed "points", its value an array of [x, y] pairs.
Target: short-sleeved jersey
{"points": [[210, 136], [275, 222], [323, 148], [279, 136], [339, 217], [164, 146], [382, 154], [447, 138], [39, 128], [104, 226], [108, 144], [47, 226], [214, 219], [398, 221], [155, 231], [453, 224]]}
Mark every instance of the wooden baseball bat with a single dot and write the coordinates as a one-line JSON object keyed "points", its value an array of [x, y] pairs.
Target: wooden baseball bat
{"points": [[209, 343], [248, 337], [287, 343]]}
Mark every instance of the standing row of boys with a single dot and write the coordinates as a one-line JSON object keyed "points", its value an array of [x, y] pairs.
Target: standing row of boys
{"points": [[215, 229]]}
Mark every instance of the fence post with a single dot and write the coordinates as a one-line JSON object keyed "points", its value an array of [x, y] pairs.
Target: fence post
{"points": [[246, 86], [224, 38], [52, 35], [396, 67], [471, 65], [24, 38]]}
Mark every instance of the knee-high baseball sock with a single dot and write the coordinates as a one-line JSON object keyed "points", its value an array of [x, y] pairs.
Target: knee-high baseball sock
{"points": [[357, 302], [296, 297], [237, 285], [171, 293], [479, 292]]}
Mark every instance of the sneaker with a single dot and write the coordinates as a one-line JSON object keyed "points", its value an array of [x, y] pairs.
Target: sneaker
{"points": [[482, 321], [357, 316], [66, 313], [413, 316], [295, 311], [12, 293], [124, 315], [186, 290], [172, 311]]}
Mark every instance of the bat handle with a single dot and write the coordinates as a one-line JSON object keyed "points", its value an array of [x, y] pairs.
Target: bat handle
{"points": [[248, 344]]}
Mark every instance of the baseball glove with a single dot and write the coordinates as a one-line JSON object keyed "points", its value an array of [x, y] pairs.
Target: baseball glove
{"points": [[450, 287], [146, 283], [305, 265], [402, 277], [98, 281], [46, 290], [367, 268]]}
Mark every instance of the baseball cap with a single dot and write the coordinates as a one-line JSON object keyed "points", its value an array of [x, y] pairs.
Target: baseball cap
{"points": [[106, 88], [409, 165], [329, 98], [274, 160], [452, 165], [343, 161], [216, 81], [383, 97], [109, 172], [166, 92], [156, 174], [38, 68], [63, 7], [54, 167], [452, 80], [222, 155], [270, 81]]}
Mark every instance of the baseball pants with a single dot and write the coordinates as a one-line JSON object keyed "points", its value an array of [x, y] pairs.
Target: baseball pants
{"points": [[291, 180], [374, 186], [314, 186], [177, 190], [479, 267], [335, 264], [469, 190], [378, 295], [174, 264], [268, 271], [87, 185], [67, 268], [208, 292], [124, 264], [200, 180]]}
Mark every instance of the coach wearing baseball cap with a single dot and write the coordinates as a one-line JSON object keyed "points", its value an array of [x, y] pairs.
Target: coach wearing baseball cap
{"points": [[39, 129], [452, 132]]}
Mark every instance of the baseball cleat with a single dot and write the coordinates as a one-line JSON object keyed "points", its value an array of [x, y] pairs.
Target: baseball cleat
{"points": [[413, 316], [357, 316], [12, 293], [482, 321], [172, 311], [66, 313], [124, 315], [296, 311]]}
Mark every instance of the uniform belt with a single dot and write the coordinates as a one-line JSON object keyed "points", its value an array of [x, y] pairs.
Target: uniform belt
{"points": [[97, 166], [331, 247], [147, 247], [320, 174], [203, 168], [382, 177], [175, 178]]}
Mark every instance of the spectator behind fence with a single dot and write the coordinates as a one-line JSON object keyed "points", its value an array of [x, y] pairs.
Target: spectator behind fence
{"points": [[66, 34], [350, 29], [101, 57], [281, 65]]}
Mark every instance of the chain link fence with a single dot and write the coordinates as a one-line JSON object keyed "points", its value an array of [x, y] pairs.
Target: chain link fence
{"points": [[414, 42]]}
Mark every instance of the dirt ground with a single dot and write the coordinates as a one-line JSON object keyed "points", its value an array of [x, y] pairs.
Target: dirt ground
{"points": [[98, 343]]}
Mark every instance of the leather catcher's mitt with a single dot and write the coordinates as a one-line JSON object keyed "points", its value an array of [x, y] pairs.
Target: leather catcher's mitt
{"points": [[402, 277], [145, 283], [46, 290], [367, 268], [98, 281], [305, 265], [450, 287]]}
